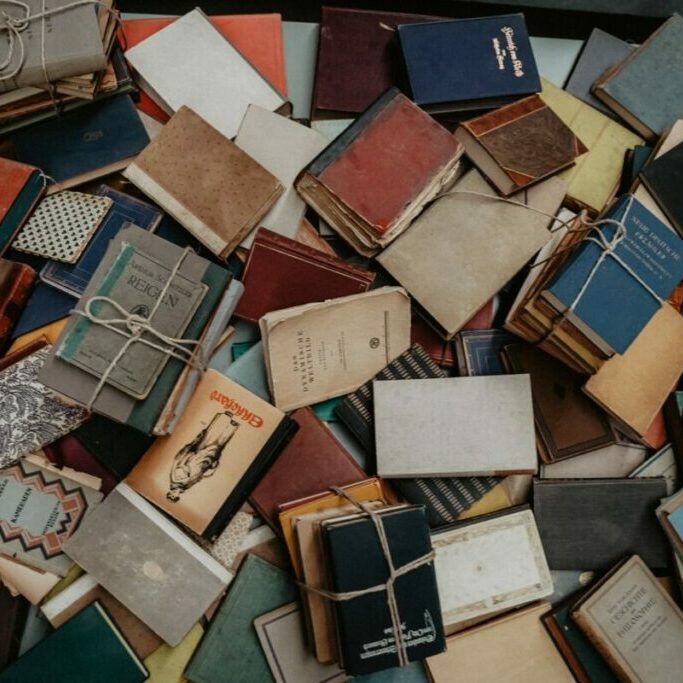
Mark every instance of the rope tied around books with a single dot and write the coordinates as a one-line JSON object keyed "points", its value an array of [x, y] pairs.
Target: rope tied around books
{"points": [[133, 326], [388, 586]]}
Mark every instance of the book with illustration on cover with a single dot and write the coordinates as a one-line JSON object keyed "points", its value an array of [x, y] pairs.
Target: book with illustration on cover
{"points": [[224, 442]]}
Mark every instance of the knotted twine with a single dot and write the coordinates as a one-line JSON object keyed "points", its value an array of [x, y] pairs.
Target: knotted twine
{"points": [[388, 586]]}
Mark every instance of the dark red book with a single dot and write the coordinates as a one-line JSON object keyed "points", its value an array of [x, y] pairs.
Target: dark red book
{"points": [[310, 463], [16, 283], [281, 272], [13, 612], [358, 57]]}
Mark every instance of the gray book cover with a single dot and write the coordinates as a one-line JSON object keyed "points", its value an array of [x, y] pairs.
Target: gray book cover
{"points": [[72, 39]]}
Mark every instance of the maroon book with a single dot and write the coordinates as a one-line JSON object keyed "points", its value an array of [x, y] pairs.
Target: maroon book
{"points": [[16, 283], [311, 462], [358, 57], [281, 272]]}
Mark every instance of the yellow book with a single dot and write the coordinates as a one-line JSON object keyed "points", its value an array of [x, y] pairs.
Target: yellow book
{"points": [[51, 331], [166, 664], [492, 501], [594, 180]]}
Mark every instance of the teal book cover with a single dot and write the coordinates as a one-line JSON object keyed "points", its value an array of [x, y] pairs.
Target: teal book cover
{"points": [[89, 647], [231, 650]]}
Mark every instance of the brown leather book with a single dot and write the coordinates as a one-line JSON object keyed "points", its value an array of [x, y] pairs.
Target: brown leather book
{"points": [[519, 144], [281, 272], [16, 283], [568, 423], [312, 462]]}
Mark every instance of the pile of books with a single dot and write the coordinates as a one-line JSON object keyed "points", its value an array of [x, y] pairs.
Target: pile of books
{"points": [[339, 350]]}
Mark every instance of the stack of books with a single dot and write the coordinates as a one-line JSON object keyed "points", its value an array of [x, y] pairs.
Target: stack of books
{"points": [[339, 350]]}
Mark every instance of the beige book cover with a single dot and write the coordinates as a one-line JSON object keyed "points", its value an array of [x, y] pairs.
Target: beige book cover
{"points": [[192, 473], [514, 648], [614, 461], [206, 182], [465, 247], [635, 624], [318, 351], [33, 584], [634, 386]]}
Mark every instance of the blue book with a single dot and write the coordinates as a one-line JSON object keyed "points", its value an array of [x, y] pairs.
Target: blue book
{"points": [[615, 306], [73, 279], [44, 306], [479, 352], [84, 144], [467, 64]]}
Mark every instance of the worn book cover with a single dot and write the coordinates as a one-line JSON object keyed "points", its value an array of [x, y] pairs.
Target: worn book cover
{"points": [[225, 440], [454, 415], [520, 144], [494, 241], [372, 208], [489, 564], [231, 649], [318, 351], [592, 523], [670, 515], [514, 648], [358, 58], [660, 464], [13, 613], [608, 462], [479, 352], [66, 658], [281, 272], [468, 64], [661, 177], [207, 183], [311, 462], [646, 89], [217, 81], [634, 623], [16, 284], [147, 563], [356, 561], [39, 511]]}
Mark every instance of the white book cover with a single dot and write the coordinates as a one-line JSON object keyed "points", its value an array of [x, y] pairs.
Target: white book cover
{"points": [[215, 81], [283, 147], [455, 427]]}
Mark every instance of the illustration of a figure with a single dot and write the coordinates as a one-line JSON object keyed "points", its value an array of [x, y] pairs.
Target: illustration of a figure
{"points": [[201, 457]]}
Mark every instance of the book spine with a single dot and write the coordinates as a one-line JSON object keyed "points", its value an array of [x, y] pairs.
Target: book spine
{"points": [[566, 650]]}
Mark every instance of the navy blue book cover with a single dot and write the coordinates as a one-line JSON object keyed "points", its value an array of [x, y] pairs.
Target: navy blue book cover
{"points": [[356, 561], [469, 60], [73, 278], [44, 306], [615, 306], [482, 351], [83, 140]]}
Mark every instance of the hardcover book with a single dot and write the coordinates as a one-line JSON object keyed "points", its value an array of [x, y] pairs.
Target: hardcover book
{"points": [[358, 58], [445, 499], [16, 283], [13, 613], [230, 649], [22, 187], [217, 81], [519, 144], [207, 183], [311, 462], [284, 148], [84, 144], [487, 565], [660, 464], [108, 659], [454, 415], [514, 648], [466, 64], [281, 273], [318, 351], [479, 352], [634, 623], [661, 177], [224, 442], [601, 52], [78, 384], [494, 241], [73, 279], [609, 462], [356, 561], [602, 299], [592, 523], [39, 511], [646, 89], [372, 208], [147, 564], [670, 515]]}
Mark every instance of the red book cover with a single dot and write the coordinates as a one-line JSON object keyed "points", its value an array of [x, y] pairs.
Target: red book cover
{"points": [[281, 272], [310, 463], [14, 177], [257, 36], [16, 283]]}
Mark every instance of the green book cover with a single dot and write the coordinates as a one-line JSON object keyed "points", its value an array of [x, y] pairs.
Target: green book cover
{"points": [[88, 647], [231, 650]]}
